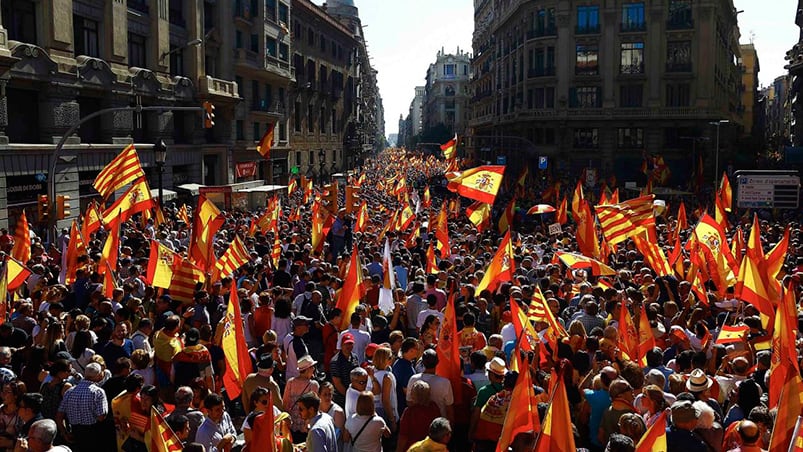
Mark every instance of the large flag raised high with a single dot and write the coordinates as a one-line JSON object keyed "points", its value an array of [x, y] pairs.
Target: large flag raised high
{"points": [[161, 263], [136, 199], [120, 171], [265, 143], [501, 267], [234, 347], [480, 183], [351, 292], [22, 240], [450, 148]]}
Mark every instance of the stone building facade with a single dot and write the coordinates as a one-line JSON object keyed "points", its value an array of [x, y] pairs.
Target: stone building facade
{"points": [[64, 59], [446, 92], [599, 83]]}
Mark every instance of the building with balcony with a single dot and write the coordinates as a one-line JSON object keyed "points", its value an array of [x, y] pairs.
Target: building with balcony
{"points": [[417, 110], [262, 49], [777, 113], [598, 83], [795, 92], [63, 60], [323, 101], [446, 92], [749, 88]]}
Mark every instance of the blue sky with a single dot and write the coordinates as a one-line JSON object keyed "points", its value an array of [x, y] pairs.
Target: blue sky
{"points": [[404, 37]]}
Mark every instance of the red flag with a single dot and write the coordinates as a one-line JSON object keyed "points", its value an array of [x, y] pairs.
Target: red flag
{"points": [[449, 363], [522, 413], [22, 240], [235, 350]]}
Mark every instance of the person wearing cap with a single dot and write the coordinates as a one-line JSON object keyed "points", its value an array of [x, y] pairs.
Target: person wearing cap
{"points": [[294, 346], [440, 387], [193, 361], [295, 388], [344, 361], [361, 338], [680, 434], [495, 369], [85, 408], [263, 377]]}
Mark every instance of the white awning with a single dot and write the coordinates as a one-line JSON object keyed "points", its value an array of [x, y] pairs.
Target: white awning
{"points": [[263, 189], [169, 195], [192, 188]]}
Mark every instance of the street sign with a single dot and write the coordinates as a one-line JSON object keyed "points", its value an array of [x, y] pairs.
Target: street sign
{"points": [[501, 160], [542, 162], [771, 191]]}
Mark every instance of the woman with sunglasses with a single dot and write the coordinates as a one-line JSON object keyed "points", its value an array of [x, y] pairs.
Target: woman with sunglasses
{"points": [[254, 430]]}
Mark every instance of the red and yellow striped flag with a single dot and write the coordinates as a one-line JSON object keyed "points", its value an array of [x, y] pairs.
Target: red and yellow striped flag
{"points": [[561, 216], [725, 192], [276, 251], [646, 338], [480, 183], [479, 214], [111, 250], [159, 436], [123, 169], [236, 256], [506, 220], [432, 262], [450, 148], [556, 435], [615, 223], [206, 223], [74, 249], [185, 278], [292, 186], [729, 334], [16, 274], [91, 221], [522, 413], [183, 215], [22, 240], [442, 232]]}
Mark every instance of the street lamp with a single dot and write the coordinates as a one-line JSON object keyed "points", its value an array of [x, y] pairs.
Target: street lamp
{"points": [[716, 159], [193, 43], [159, 156]]}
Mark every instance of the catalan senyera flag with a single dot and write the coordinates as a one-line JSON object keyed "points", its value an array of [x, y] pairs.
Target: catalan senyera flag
{"points": [[729, 334], [479, 214], [561, 217], [183, 215], [450, 148], [501, 267], [725, 192], [506, 220], [522, 413], [556, 434], [654, 255], [576, 261], [161, 262], [480, 183], [448, 349], [615, 223], [123, 169], [238, 361], [22, 240], [351, 293], [236, 256], [654, 439], [159, 436], [185, 277], [16, 274], [136, 199], [265, 143], [276, 251]]}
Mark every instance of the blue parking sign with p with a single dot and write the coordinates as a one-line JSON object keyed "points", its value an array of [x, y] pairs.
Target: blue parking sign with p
{"points": [[542, 162]]}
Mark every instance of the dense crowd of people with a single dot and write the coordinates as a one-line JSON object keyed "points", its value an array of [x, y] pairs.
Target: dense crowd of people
{"points": [[81, 371]]}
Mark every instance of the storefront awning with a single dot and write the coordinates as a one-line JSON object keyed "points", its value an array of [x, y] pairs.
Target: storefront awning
{"points": [[263, 189], [192, 188], [169, 195]]}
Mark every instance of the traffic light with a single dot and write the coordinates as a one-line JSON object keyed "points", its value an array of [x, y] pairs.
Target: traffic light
{"points": [[352, 198], [209, 115], [330, 196], [43, 207], [62, 207]]}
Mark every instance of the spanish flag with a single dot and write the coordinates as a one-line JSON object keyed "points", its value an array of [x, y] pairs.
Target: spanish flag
{"points": [[206, 223], [576, 261], [75, 248], [442, 232], [292, 186], [628, 335], [522, 413], [432, 262], [161, 262], [654, 439], [136, 199], [351, 293], [480, 183], [16, 274], [501, 267], [561, 217], [22, 240], [646, 339], [91, 221], [450, 148], [449, 363], [235, 350], [479, 214], [729, 334], [426, 200], [784, 369], [506, 220], [725, 192], [111, 249], [266, 141], [752, 283], [557, 435]]}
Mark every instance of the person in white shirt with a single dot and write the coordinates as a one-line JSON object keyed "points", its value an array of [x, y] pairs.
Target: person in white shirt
{"points": [[361, 338], [440, 388]]}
